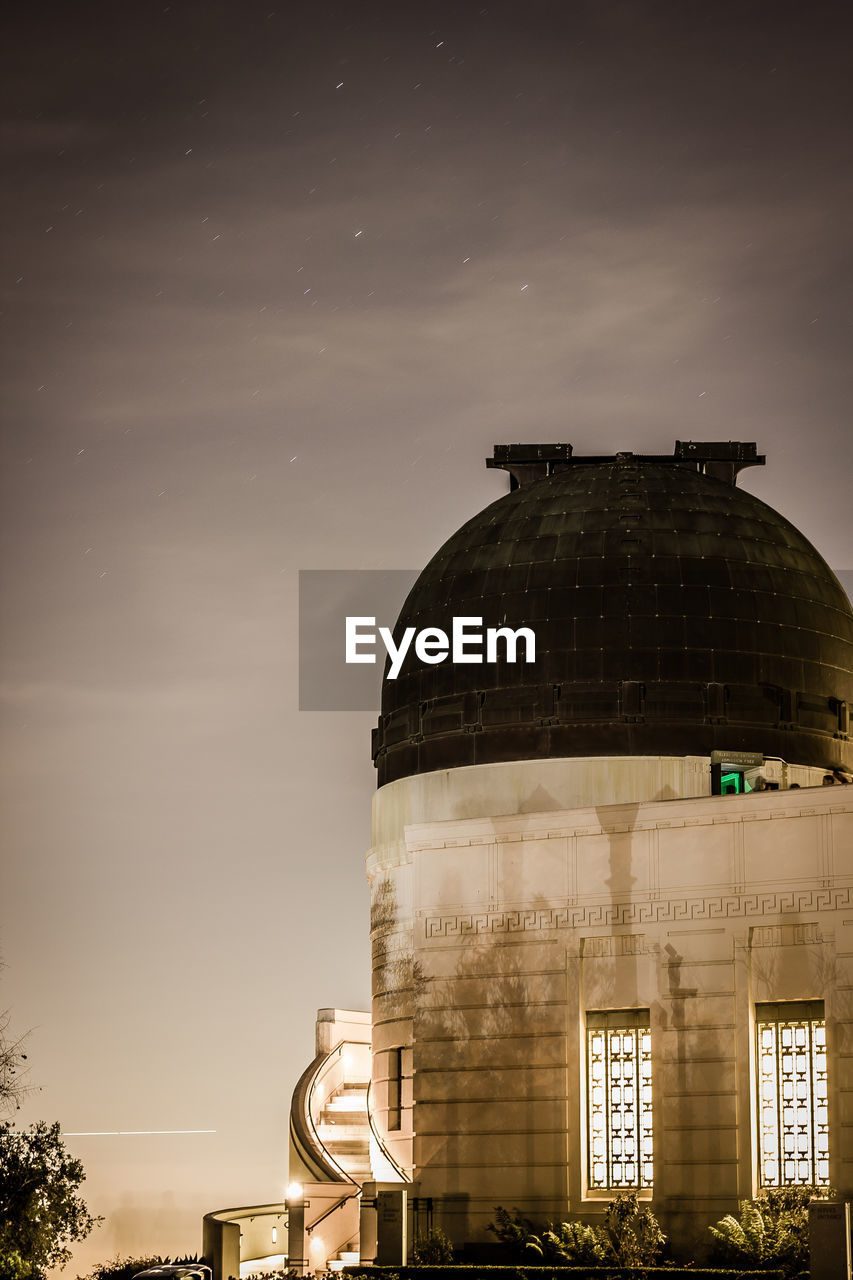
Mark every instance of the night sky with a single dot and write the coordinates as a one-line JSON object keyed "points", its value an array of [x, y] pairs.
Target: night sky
{"points": [[275, 280]]}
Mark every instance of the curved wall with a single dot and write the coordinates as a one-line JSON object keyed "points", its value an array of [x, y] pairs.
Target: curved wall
{"points": [[497, 934], [483, 791]]}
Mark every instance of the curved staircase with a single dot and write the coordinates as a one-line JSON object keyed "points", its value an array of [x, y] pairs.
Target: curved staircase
{"points": [[344, 1130], [334, 1146]]}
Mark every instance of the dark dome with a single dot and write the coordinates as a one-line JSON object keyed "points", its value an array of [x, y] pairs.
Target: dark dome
{"points": [[674, 615]]}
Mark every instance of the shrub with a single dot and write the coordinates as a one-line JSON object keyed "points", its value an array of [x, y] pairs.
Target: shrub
{"points": [[571, 1242], [771, 1232], [515, 1233], [629, 1237], [432, 1249], [633, 1233]]}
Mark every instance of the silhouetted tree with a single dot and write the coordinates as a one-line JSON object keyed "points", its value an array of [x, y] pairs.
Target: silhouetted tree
{"points": [[12, 1068], [41, 1212]]}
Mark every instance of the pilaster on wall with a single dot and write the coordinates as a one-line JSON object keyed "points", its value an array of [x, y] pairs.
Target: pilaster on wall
{"points": [[694, 1071], [392, 985]]}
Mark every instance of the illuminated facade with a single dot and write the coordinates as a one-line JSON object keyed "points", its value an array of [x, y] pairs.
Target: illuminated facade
{"points": [[612, 912]]}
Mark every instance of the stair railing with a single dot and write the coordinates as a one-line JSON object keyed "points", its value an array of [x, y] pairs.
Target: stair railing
{"points": [[401, 1174], [337, 1052], [306, 1136], [353, 1195], [302, 1125]]}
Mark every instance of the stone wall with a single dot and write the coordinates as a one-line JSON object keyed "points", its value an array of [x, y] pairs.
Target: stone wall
{"points": [[504, 931]]}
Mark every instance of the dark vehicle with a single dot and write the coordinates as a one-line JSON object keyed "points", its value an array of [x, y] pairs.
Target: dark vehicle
{"points": [[176, 1271]]}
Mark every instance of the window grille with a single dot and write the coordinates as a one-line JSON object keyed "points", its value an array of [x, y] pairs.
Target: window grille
{"points": [[793, 1129], [619, 1099]]}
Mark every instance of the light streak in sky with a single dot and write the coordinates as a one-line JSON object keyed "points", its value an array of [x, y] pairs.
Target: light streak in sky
{"points": [[125, 1133]]}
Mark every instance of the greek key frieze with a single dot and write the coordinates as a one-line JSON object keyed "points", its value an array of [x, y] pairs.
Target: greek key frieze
{"points": [[652, 911]]}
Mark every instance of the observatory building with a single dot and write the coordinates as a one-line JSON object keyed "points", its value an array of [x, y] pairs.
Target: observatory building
{"points": [[612, 916], [612, 922]]}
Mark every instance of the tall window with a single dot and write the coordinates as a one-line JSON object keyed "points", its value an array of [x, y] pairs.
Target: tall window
{"points": [[793, 1133], [395, 1089], [619, 1099]]}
